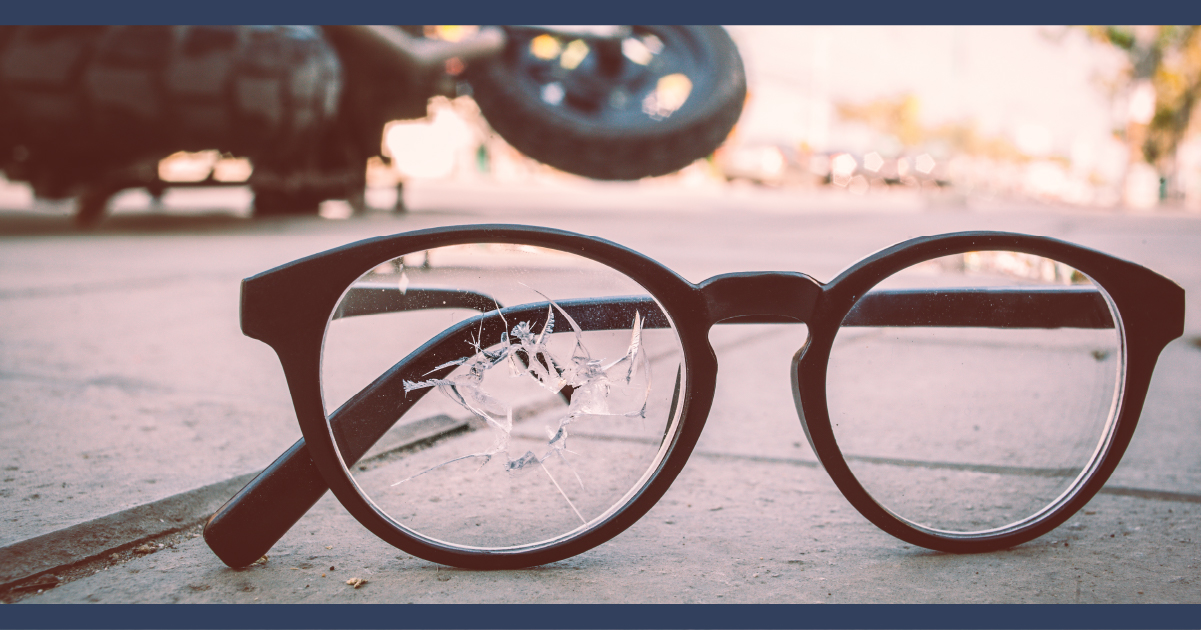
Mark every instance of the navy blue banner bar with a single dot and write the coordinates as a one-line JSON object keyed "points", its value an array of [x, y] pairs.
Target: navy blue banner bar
{"points": [[933, 617], [641, 11]]}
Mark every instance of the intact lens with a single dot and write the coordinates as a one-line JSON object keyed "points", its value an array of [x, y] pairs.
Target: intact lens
{"points": [[970, 393]]}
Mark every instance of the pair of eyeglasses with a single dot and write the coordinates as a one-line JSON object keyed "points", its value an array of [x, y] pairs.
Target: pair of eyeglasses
{"points": [[499, 396]]}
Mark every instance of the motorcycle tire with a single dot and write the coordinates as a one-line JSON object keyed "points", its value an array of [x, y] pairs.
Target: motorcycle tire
{"points": [[614, 112]]}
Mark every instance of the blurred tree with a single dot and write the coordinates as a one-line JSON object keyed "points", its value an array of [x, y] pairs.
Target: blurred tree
{"points": [[1163, 76], [965, 139], [898, 116], [895, 115]]}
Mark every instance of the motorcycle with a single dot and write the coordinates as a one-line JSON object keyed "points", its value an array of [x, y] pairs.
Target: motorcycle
{"points": [[88, 111]]}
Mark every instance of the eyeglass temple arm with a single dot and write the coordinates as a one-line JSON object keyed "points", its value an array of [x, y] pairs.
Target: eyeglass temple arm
{"points": [[255, 518], [988, 307], [374, 298], [246, 527], [999, 307]]}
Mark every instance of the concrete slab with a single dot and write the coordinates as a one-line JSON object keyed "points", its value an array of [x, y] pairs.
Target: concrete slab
{"points": [[124, 380], [729, 531]]}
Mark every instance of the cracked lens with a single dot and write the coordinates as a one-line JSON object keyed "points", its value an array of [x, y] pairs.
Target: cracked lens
{"points": [[542, 408], [592, 380]]}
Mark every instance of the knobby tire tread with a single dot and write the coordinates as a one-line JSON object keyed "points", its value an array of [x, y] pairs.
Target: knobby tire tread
{"points": [[607, 154]]}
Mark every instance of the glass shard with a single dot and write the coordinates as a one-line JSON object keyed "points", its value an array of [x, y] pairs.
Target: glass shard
{"points": [[596, 387]]}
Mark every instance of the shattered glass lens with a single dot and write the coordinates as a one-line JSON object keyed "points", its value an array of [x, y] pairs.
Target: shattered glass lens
{"points": [[969, 392], [500, 396]]}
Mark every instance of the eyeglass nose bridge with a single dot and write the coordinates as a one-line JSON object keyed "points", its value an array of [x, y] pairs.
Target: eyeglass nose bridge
{"points": [[761, 297]]}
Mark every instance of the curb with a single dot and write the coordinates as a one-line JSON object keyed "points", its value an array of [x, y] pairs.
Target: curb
{"points": [[85, 541]]}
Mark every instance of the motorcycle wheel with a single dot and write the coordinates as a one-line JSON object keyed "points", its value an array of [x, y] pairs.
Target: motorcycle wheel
{"points": [[645, 104]]}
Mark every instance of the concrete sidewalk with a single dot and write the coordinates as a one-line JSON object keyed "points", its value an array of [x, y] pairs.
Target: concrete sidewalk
{"points": [[731, 530], [131, 406]]}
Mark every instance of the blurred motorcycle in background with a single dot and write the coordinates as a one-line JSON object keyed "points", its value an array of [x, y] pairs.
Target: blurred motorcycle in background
{"points": [[296, 111]]}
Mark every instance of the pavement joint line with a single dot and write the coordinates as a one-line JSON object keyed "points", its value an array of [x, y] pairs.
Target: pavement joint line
{"points": [[111, 380], [1157, 495], [114, 285], [115, 380], [1141, 493], [1028, 471], [92, 539]]}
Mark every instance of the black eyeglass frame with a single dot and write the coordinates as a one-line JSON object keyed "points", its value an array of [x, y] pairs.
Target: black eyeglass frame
{"points": [[289, 308]]}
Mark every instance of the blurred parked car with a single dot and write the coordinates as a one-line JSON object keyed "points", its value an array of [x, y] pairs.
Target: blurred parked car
{"points": [[758, 163], [764, 163]]}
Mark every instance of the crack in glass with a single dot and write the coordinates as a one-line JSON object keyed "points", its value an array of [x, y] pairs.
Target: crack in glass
{"points": [[596, 387]]}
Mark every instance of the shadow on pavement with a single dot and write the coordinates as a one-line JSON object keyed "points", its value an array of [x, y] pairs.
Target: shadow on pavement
{"points": [[33, 223]]}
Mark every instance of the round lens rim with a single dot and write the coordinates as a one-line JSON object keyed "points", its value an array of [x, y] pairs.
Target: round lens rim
{"points": [[325, 284], [662, 453], [1117, 279], [1098, 443]]}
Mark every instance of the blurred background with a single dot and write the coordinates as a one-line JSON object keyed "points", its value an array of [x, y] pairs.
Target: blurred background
{"points": [[1089, 116]]}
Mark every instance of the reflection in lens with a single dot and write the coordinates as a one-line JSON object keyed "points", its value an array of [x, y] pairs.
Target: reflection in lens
{"points": [[498, 396], [969, 392]]}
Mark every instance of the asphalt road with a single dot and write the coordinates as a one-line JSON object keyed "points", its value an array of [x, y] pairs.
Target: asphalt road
{"points": [[125, 382]]}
